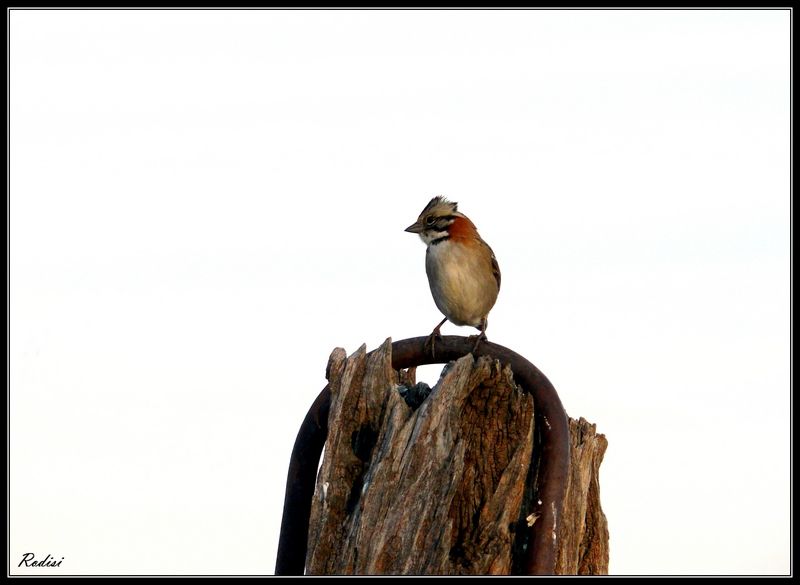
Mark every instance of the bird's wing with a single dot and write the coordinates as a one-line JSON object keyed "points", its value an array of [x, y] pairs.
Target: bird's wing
{"points": [[496, 271], [495, 265]]}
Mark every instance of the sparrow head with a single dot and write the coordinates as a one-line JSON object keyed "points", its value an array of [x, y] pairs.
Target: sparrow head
{"points": [[433, 223]]}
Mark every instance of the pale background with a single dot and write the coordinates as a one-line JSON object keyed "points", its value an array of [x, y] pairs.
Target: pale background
{"points": [[204, 204]]}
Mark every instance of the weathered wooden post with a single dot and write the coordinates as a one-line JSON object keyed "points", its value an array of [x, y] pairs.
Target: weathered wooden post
{"points": [[486, 475]]}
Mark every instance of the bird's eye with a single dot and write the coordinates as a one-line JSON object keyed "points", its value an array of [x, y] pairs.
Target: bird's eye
{"points": [[429, 220]]}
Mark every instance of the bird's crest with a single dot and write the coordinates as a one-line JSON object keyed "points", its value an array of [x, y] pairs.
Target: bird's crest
{"points": [[439, 205]]}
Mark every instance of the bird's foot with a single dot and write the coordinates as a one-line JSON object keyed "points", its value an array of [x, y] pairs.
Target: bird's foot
{"points": [[430, 344], [479, 339]]}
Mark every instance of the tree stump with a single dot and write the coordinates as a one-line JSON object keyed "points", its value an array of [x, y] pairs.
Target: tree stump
{"points": [[441, 484]]}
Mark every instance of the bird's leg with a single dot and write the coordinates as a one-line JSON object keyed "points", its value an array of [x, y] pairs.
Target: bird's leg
{"points": [[482, 336], [432, 338]]}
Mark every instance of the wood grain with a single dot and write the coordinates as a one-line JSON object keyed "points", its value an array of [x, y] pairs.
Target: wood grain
{"points": [[439, 489]]}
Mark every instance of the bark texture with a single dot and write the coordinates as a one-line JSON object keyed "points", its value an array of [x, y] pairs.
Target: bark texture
{"points": [[438, 489], [583, 534]]}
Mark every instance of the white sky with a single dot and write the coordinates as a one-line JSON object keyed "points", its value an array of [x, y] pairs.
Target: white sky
{"points": [[204, 204]]}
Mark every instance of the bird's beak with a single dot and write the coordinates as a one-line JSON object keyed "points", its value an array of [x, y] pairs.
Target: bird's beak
{"points": [[415, 228]]}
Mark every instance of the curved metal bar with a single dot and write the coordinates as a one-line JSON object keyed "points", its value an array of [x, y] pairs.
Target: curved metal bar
{"points": [[300, 483], [553, 457]]}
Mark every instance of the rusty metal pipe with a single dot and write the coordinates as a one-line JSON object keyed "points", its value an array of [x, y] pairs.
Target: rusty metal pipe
{"points": [[552, 453], [300, 483]]}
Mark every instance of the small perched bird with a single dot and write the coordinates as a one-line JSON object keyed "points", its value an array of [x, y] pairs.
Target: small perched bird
{"points": [[462, 271]]}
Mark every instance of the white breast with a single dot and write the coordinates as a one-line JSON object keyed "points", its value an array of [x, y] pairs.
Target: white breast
{"points": [[461, 281]]}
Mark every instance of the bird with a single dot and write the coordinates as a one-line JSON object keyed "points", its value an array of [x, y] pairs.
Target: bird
{"points": [[462, 269]]}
